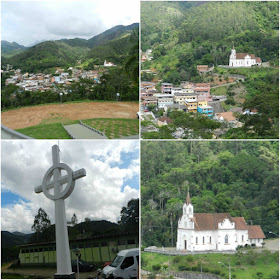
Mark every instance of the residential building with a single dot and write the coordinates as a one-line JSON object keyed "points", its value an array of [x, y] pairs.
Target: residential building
{"points": [[191, 102], [205, 110], [166, 88], [214, 231], [164, 99], [203, 91]]}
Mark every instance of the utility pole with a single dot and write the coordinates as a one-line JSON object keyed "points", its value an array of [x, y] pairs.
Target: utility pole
{"points": [[171, 223]]}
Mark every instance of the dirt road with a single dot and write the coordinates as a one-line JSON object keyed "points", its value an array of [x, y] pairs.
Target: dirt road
{"points": [[31, 116]]}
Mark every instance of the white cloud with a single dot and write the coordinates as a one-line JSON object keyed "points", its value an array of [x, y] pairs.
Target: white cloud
{"points": [[98, 195], [28, 21]]}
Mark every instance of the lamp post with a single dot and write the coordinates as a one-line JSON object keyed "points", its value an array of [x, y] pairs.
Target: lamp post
{"points": [[171, 224], [229, 270], [77, 253], [60, 96], [117, 96]]}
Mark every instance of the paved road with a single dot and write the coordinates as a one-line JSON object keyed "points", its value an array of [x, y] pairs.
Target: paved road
{"points": [[79, 131], [271, 244]]}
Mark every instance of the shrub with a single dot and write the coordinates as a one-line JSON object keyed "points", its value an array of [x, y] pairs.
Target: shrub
{"points": [[152, 276], [216, 271], [165, 266], [156, 267], [183, 267], [205, 269], [233, 276], [176, 259], [195, 268], [259, 275], [238, 263], [190, 258], [251, 262]]}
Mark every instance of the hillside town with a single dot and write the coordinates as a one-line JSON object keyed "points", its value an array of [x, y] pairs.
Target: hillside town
{"points": [[45, 82], [159, 98]]}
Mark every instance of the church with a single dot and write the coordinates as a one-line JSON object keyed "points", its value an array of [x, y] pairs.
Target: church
{"points": [[243, 59], [214, 231]]}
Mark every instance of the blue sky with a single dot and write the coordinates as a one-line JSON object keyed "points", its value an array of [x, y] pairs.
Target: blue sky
{"points": [[112, 179]]}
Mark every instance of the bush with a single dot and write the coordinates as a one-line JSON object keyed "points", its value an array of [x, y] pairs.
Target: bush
{"points": [[253, 245], [190, 258], [216, 271], [195, 268], [183, 267], [238, 263], [205, 269], [259, 275], [152, 276], [176, 259], [156, 267], [251, 262], [233, 276]]}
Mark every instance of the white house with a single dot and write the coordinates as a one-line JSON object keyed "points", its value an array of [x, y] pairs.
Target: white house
{"points": [[243, 59], [214, 231]]}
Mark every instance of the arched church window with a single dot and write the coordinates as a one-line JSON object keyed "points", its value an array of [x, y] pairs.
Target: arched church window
{"points": [[226, 238], [210, 240], [190, 210], [196, 240], [185, 212], [203, 239]]}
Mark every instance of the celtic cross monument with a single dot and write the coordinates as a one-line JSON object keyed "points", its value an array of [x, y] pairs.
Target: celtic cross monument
{"points": [[53, 188]]}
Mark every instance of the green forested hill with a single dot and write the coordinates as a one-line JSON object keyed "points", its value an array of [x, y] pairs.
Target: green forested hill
{"points": [[237, 177], [112, 44], [7, 47], [184, 34]]}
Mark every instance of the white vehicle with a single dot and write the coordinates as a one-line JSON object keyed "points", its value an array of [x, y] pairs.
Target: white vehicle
{"points": [[124, 266]]}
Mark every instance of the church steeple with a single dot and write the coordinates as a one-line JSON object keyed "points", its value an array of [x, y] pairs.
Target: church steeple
{"points": [[188, 199]]}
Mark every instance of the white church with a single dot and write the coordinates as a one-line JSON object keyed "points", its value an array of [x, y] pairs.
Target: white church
{"points": [[214, 231], [243, 59]]}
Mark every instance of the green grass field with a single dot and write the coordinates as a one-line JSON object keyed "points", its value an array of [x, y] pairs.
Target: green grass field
{"points": [[112, 128], [46, 131], [115, 128], [250, 265], [219, 90]]}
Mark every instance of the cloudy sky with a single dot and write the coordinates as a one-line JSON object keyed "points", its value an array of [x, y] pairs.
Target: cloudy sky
{"points": [[26, 22], [112, 179]]}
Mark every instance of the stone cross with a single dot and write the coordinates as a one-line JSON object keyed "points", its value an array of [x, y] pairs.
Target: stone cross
{"points": [[53, 180]]}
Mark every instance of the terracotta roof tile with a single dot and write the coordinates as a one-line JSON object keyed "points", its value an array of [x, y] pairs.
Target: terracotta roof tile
{"points": [[240, 223], [209, 221], [255, 232]]}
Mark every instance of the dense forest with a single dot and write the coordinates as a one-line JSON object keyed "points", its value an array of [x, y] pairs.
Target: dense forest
{"points": [[237, 177]]}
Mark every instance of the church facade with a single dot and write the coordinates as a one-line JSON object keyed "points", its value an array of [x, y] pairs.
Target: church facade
{"points": [[214, 231], [243, 59]]}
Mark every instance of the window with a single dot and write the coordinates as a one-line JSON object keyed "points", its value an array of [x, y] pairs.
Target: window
{"points": [[196, 240], [203, 240], [210, 240], [129, 261], [242, 238], [226, 239]]}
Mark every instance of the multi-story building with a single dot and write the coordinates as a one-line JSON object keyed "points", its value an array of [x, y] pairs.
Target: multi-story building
{"points": [[203, 91], [166, 88], [164, 99], [191, 102], [205, 110]]}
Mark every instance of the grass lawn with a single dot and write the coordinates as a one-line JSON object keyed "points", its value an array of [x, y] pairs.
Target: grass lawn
{"points": [[219, 91], [254, 72], [251, 265], [115, 128], [46, 131]]}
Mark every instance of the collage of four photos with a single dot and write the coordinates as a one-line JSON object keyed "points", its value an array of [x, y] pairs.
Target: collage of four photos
{"points": [[139, 139]]}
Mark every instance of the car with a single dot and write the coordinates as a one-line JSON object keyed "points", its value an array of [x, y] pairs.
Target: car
{"points": [[83, 266], [124, 266]]}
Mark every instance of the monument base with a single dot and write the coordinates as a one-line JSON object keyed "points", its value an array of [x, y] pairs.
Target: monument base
{"points": [[65, 276]]}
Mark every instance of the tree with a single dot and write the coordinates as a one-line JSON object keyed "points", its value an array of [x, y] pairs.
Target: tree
{"points": [[41, 226], [41, 221], [74, 220], [130, 216]]}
